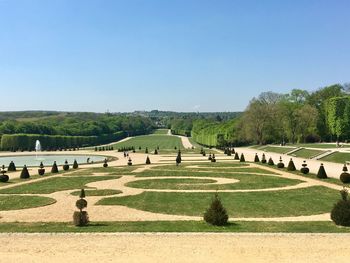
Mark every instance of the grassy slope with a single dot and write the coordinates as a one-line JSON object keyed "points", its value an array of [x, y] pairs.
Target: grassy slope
{"points": [[337, 157], [160, 131], [281, 150], [307, 153]]}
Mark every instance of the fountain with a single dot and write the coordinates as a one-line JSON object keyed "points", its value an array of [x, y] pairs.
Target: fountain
{"points": [[37, 148]]}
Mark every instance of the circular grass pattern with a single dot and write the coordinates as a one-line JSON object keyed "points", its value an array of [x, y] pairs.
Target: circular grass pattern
{"points": [[16, 202]]}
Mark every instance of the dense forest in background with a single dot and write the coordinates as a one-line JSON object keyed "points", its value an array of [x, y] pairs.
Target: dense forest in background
{"points": [[299, 116]]}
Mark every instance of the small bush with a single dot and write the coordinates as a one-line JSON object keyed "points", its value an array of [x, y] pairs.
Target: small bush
{"points": [[4, 178], [54, 168], [209, 157], [321, 172], [304, 169], [146, 150], [236, 156], [129, 162], [256, 158], [148, 161], [263, 158], [280, 165], [75, 164], [242, 159], [340, 213], [80, 218], [12, 167], [41, 170], [270, 162], [81, 204], [213, 160], [345, 178], [216, 214], [66, 166], [178, 158], [155, 151], [24, 173], [291, 166], [105, 163]]}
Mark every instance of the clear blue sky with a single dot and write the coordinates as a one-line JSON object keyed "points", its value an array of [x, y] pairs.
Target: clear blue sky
{"points": [[181, 55]]}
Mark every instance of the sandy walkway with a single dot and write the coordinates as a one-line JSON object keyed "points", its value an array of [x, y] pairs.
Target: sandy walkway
{"points": [[182, 248]]}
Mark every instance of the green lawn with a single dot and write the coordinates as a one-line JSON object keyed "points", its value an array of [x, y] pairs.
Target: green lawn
{"points": [[319, 145], [246, 181], [56, 184], [337, 157], [281, 150], [309, 201], [175, 226], [160, 131], [16, 202], [165, 142], [100, 192], [307, 153]]}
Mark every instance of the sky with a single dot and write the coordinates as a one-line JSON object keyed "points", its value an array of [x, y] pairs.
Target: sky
{"points": [[178, 55]]}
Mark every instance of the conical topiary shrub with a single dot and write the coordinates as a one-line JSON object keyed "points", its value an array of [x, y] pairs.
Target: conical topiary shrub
{"points": [[129, 162], [345, 176], [216, 214], [209, 157], [81, 218], [66, 166], [291, 166], [304, 169], [263, 158], [270, 162], [155, 151], [12, 167], [148, 161], [256, 158], [146, 150], [178, 159], [105, 163], [75, 164], [340, 213], [321, 172], [236, 156], [242, 159], [41, 170], [54, 168], [3, 177], [213, 160], [280, 164], [24, 173]]}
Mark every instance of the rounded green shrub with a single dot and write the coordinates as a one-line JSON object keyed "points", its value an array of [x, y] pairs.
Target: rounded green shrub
{"points": [[321, 172], [81, 204], [75, 164], [242, 159], [129, 162], [24, 173], [148, 161], [216, 214], [105, 163], [256, 158], [280, 165], [304, 169], [54, 168], [209, 157], [80, 218], [263, 158], [340, 213], [66, 166], [41, 170], [270, 162], [12, 167], [3, 177], [291, 166]]}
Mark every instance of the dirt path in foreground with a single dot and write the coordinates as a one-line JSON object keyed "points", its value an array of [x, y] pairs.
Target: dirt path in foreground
{"points": [[187, 247]]}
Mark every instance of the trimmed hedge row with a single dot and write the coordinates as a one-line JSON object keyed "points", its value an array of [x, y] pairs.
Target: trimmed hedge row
{"points": [[26, 142]]}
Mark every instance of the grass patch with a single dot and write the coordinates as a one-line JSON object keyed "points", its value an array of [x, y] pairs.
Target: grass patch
{"points": [[100, 192], [276, 149], [160, 131], [320, 145], [307, 153], [16, 202], [56, 184], [165, 142], [309, 201], [175, 226], [337, 157]]}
